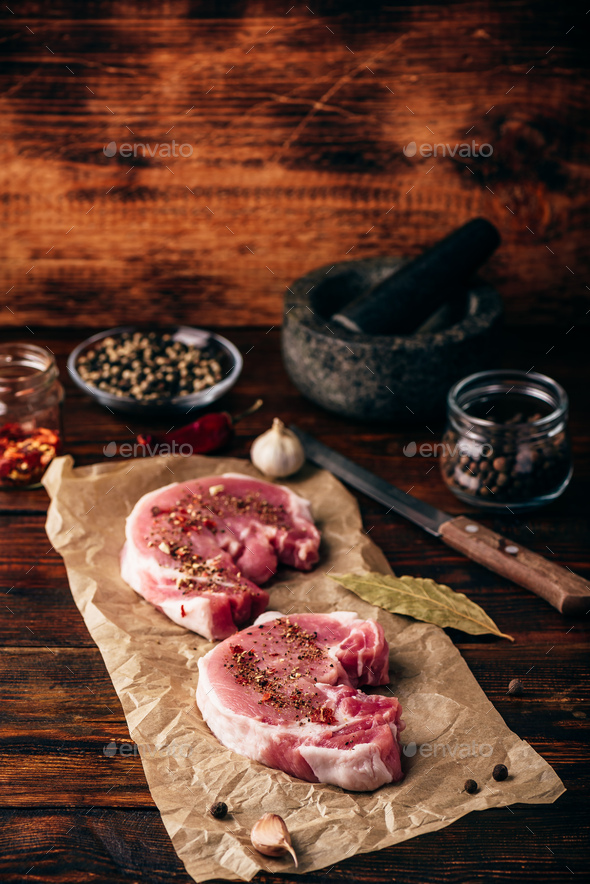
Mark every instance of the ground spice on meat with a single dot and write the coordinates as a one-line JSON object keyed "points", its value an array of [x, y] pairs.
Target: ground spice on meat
{"points": [[193, 514], [272, 682], [168, 535]]}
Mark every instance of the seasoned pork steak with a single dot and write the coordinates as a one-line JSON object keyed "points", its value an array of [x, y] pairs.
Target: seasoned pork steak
{"points": [[198, 550], [284, 692]]}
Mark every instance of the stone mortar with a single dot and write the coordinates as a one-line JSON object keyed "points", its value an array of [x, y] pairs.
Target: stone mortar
{"points": [[379, 377]]}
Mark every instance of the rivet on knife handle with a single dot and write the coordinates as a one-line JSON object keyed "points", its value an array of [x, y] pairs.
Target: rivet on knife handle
{"points": [[563, 589]]}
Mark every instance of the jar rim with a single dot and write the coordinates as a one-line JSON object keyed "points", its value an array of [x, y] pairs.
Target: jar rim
{"points": [[41, 365], [534, 380]]}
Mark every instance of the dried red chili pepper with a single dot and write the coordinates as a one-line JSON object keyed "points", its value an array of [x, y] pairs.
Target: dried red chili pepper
{"points": [[204, 435], [25, 454]]}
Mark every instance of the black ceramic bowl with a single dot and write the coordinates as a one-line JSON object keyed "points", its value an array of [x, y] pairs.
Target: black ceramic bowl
{"points": [[224, 351]]}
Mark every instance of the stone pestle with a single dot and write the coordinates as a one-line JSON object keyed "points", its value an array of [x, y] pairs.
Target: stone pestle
{"points": [[402, 302]]}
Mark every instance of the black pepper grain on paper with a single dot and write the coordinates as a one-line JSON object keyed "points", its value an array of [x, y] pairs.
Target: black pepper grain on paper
{"points": [[470, 787], [148, 366], [219, 810], [500, 772]]}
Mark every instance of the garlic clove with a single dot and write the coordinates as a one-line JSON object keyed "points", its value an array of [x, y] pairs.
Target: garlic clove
{"points": [[278, 452], [270, 837]]}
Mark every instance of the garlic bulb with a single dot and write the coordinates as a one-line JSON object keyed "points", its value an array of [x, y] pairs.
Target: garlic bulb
{"points": [[278, 452], [270, 836]]}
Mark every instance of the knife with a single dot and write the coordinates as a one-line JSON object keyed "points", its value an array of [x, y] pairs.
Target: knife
{"points": [[563, 589]]}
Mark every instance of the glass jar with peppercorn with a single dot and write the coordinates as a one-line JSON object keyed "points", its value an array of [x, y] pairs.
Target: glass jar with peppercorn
{"points": [[506, 442], [30, 414]]}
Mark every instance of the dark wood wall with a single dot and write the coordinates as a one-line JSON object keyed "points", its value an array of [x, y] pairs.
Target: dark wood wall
{"points": [[296, 118]]}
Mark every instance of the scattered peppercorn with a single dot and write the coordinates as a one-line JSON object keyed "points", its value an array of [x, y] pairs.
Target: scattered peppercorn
{"points": [[515, 687], [148, 366], [500, 772], [470, 786], [218, 810]]}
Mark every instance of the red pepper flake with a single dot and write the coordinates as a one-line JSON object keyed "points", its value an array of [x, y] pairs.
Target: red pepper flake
{"points": [[25, 454], [182, 611]]}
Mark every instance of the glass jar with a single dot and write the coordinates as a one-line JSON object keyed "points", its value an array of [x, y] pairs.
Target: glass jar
{"points": [[30, 414], [506, 443]]}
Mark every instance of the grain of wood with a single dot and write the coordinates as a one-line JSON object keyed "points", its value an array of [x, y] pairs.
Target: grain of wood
{"points": [[297, 161], [296, 125], [70, 841]]}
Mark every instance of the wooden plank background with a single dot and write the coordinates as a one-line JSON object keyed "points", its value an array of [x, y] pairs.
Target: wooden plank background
{"points": [[296, 117]]}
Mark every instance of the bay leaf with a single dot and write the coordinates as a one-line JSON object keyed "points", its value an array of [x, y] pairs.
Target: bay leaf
{"points": [[422, 599]]}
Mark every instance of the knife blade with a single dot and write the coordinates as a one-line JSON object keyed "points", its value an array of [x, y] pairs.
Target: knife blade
{"points": [[417, 511], [566, 591]]}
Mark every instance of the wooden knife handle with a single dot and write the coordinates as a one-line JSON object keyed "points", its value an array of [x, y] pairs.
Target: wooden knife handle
{"points": [[559, 586]]}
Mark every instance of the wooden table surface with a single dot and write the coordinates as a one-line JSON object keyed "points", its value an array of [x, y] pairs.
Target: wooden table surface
{"points": [[68, 813]]}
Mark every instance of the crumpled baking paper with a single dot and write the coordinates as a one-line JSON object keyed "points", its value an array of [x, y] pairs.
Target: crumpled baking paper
{"points": [[453, 732]]}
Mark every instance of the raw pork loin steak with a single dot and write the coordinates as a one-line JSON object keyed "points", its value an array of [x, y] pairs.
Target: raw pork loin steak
{"points": [[197, 550], [284, 692]]}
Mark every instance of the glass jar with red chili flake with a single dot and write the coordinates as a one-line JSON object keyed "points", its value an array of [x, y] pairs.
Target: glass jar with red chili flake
{"points": [[30, 414]]}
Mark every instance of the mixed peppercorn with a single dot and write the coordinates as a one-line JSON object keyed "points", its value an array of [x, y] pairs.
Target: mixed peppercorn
{"points": [[148, 366], [514, 465]]}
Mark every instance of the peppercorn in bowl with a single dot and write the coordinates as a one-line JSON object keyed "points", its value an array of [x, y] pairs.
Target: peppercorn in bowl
{"points": [[144, 371]]}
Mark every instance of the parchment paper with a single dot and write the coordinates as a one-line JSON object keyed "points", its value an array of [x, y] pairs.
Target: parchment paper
{"points": [[453, 732]]}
